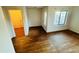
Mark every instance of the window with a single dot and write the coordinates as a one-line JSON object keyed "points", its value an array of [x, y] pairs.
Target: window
{"points": [[60, 17], [45, 17]]}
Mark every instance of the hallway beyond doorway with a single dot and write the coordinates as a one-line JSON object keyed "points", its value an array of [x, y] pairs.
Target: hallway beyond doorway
{"points": [[17, 21], [19, 32]]}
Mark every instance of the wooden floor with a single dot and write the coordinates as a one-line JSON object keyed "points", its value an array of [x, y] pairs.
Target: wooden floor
{"points": [[19, 32], [39, 41]]}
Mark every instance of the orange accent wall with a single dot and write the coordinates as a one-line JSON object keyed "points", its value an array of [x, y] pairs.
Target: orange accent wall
{"points": [[16, 18]]}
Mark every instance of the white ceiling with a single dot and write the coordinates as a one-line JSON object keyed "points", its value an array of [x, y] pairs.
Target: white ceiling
{"points": [[35, 6]]}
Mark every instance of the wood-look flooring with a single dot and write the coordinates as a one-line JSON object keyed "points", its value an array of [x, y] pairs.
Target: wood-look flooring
{"points": [[19, 32], [39, 41]]}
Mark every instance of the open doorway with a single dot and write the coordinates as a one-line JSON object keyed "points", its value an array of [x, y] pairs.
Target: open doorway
{"points": [[17, 21]]}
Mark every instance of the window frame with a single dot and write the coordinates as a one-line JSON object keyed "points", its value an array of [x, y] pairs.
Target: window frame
{"points": [[59, 19]]}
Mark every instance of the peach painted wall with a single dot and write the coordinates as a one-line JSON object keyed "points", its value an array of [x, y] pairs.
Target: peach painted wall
{"points": [[16, 18]]}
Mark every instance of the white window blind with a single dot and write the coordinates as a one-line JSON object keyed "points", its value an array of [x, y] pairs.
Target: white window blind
{"points": [[60, 17]]}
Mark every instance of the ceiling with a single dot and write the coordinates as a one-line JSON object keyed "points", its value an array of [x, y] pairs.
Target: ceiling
{"points": [[35, 6]]}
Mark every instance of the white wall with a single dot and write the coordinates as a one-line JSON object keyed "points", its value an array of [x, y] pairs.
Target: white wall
{"points": [[42, 21], [34, 16], [8, 22], [5, 40], [25, 21], [51, 14], [74, 24]]}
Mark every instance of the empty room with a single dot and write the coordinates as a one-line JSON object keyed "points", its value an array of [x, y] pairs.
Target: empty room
{"points": [[39, 29]]}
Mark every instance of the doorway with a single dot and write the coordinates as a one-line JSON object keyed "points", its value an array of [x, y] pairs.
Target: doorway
{"points": [[17, 21]]}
